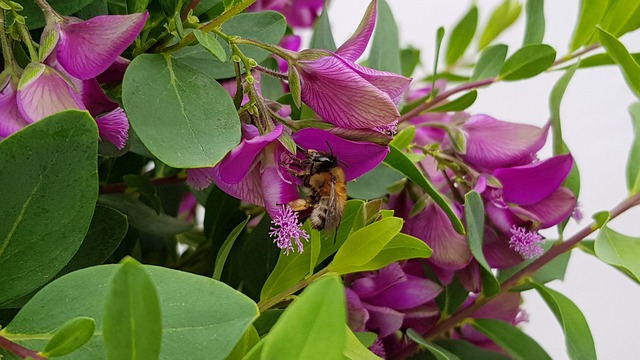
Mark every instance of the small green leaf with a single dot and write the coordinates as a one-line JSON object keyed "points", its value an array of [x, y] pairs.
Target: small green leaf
{"points": [[246, 343], [620, 54], [290, 269], [591, 13], [409, 60], [474, 214], [618, 250], [461, 36], [363, 245], [602, 60], [577, 335], [503, 17], [438, 352], [622, 17], [466, 351], [322, 37], [221, 258], [510, 338], [183, 116], [355, 350], [459, 104], [399, 161], [70, 336], [534, 33], [313, 326], [490, 62], [555, 99], [366, 338], [633, 163], [132, 322], [436, 58], [385, 48], [211, 43], [527, 62], [404, 138], [143, 185], [294, 85], [373, 184]]}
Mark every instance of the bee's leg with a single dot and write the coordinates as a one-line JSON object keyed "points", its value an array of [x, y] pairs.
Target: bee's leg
{"points": [[299, 204]]}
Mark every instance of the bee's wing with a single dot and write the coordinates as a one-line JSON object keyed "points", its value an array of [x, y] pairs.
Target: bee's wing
{"points": [[334, 210]]}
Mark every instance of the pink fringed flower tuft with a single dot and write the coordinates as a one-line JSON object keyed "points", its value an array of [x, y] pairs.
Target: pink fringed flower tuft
{"points": [[286, 227], [525, 242], [114, 127]]}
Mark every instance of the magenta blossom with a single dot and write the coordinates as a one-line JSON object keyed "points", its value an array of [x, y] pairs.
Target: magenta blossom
{"points": [[299, 13], [344, 93], [11, 120]]}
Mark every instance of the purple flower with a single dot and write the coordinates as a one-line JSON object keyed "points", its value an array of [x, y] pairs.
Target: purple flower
{"points": [[299, 13], [287, 228], [525, 242], [11, 120], [86, 49], [344, 93]]}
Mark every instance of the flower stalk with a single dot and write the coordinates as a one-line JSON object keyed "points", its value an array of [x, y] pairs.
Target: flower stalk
{"points": [[269, 303], [19, 350]]}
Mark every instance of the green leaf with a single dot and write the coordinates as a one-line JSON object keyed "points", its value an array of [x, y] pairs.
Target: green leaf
{"points": [[366, 338], [385, 48], [400, 247], [404, 138], [467, 351], [510, 338], [143, 217], [211, 44], [459, 104], [555, 99], [409, 60], [289, 270], [438, 352], [461, 36], [363, 245], [619, 250], [603, 59], [201, 317], [48, 187], [266, 26], [620, 54], [399, 161], [622, 17], [246, 343], [143, 185], [35, 18], [577, 335], [436, 58], [322, 37], [69, 337], [373, 184], [490, 62], [527, 62], [633, 162], [222, 255], [353, 219], [534, 33], [132, 321], [183, 116], [503, 17], [355, 350], [591, 13], [474, 214], [313, 326]]}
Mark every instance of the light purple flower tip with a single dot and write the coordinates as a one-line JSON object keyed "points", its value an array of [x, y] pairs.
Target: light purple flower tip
{"points": [[200, 178], [577, 214], [525, 242], [43, 91], [287, 228], [10, 118], [378, 348], [353, 48], [114, 127], [87, 48]]}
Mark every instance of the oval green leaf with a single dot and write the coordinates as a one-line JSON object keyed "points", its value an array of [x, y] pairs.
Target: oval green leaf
{"points": [[633, 162], [534, 33], [619, 53], [211, 44], [577, 335], [48, 187], [71, 335], [527, 62], [183, 116], [474, 214], [438, 352], [313, 326], [399, 161], [503, 17], [201, 317], [619, 250], [490, 62], [385, 46], [591, 13], [511, 339], [132, 320], [322, 36], [355, 350], [461, 36], [458, 104]]}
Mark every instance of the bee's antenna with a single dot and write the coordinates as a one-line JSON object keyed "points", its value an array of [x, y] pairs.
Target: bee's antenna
{"points": [[344, 164], [330, 149]]}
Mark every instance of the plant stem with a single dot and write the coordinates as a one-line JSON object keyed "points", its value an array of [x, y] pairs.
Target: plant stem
{"points": [[213, 24], [264, 305], [19, 350], [515, 279]]}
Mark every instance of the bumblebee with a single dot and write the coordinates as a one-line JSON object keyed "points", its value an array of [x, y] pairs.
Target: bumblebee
{"points": [[322, 175]]}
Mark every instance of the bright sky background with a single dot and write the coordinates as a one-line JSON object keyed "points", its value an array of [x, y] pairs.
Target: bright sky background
{"points": [[597, 128]]}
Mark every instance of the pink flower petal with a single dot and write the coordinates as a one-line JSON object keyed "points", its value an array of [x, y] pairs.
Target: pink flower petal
{"points": [[200, 178], [383, 320], [235, 165], [10, 118], [94, 98], [408, 294], [277, 191], [529, 184], [450, 249], [114, 127], [42, 92], [393, 85], [356, 158], [357, 314], [497, 252], [493, 143], [248, 190], [88, 48], [357, 43], [115, 71], [551, 210], [342, 97]]}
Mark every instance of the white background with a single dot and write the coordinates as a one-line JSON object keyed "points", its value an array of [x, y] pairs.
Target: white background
{"points": [[597, 128]]}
